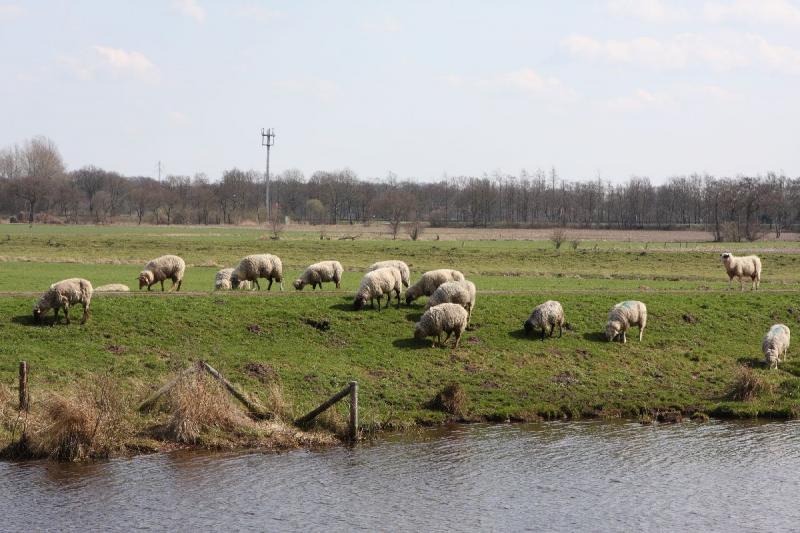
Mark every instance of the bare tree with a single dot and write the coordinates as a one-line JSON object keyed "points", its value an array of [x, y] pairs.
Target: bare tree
{"points": [[40, 166]]}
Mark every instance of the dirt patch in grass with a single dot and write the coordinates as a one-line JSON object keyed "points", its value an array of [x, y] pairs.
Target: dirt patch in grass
{"points": [[689, 318], [263, 373]]}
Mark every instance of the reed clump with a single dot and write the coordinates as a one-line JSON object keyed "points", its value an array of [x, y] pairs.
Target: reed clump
{"points": [[748, 385], [452, 399]]}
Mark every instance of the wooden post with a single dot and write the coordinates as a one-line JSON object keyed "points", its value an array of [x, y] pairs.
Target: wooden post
{"points": [[151, 400], [255, 411], [24, 397], [353, 411], [322, 408]]}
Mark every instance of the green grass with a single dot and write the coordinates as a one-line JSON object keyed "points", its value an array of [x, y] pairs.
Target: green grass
{"points": [[144, 338]]}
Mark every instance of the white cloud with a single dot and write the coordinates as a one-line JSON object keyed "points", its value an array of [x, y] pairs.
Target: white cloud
{"points": [[132, 63], [256, 12], [386, 25], [9, 12], [649, 10], [761, 11], [524, 80], [191, 9], [688, 50], [671, 97]]}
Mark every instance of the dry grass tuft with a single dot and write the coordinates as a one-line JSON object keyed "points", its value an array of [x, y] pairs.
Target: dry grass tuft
{"points": [[748, 385], [452, 399], [277, 404]]}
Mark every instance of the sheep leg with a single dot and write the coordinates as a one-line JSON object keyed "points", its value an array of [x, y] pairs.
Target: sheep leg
{"points": [[85, 314], [380, 297], [641, 332], [257, 283], [55, 317], [162, 285], [66, 313], [552, 327], [458, 339], [438, 339], [624, 338], [448, 337], [269, 287], [398, 298], [559, 331], [544, 331]]}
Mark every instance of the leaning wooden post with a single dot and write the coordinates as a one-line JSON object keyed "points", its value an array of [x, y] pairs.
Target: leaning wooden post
{"points": [[354, 411], [24, 397]]}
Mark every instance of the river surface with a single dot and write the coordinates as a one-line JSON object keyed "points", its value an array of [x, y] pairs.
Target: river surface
{"points": [[561, 476]]}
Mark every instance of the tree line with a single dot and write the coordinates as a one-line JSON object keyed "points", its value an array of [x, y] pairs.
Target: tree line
{"points": [[35, 186]]}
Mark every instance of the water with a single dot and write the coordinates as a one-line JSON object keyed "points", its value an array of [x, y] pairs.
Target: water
{"points": [[597, 476]]}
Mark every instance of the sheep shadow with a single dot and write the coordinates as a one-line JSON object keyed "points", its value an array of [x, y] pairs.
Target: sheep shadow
{"points": [[27, 320], [752, 362], [413, 317], [520, 334], [595, 336], [411, 344]]}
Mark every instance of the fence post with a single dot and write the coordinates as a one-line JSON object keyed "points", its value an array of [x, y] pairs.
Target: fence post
{"points": [[354, 411], [24, 397]]}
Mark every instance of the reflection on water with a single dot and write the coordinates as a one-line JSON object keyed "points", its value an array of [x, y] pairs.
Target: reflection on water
{"points": [[720, 476]]}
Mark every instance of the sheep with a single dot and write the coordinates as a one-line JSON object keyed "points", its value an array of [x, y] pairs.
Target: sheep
{"points": [[318, 272], [456, 292], [61, 295], [775, 345], [430, 281], [223, 281], [375, 284], [257, 266], [162, 268], [623, 316], [748, 266], [112, 287], [405, 273], [550, 313], [447, 318]]}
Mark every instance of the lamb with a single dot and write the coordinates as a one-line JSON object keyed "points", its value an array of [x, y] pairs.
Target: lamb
{"points": [[375, 284], [748, 266], [61, 295], [405, 273], [257, 266], [112, 287], [456, 292], [547, 314], [623, 316], [430, 281], [162, 268], [775, 345], [447, 318], [223, 281], [318, 272]]}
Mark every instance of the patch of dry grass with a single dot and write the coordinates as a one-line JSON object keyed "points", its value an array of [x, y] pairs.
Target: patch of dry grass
{"points": [[452, 400], [748, 385]]}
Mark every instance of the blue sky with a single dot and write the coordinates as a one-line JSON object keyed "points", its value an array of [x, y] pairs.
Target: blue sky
{"points": [[606, 87]]}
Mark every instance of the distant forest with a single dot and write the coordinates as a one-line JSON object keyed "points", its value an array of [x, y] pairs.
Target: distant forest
{"points": [[35, 187]]}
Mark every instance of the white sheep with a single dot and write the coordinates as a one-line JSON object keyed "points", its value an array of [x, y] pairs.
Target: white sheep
{"points": [[62, 295], [223, 281], [112, 287], [405, 273], [375, 284], [318, 272], [775, 345], [748, 266], [163, 268], [430, 281], [443, 318], [257, 266], [623, 316], [550, 313], [454, 292]]}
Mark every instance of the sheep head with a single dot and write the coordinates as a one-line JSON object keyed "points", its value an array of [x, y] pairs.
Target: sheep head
{"points": [[145, 279], [37, 314], [528, 327], [771, 357], [298, 284], [359, 302], [725, 257], [419, 332], [613, 328]]}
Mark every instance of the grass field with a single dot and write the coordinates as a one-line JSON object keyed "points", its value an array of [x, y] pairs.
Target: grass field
{"points": [[698, 338]]}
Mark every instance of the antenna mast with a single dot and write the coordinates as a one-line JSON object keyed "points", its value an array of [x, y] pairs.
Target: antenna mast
{"points": [[267, 139]]}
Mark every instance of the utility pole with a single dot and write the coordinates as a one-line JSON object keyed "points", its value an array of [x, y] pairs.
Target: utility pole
{"points": [[267, 139], [159, 171]]}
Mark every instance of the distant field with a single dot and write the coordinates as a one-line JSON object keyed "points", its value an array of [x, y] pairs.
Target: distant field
{"points": [[683, 364]]}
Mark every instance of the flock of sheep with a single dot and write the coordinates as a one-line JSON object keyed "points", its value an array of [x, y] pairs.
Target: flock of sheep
{"points": [[451, 298]]}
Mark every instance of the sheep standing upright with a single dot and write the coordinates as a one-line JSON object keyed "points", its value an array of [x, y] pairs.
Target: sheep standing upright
{"points": [[256, 266], [318, 272], [550, 313], [775, 345], [748, 266], [163, 268], [454, 292], [405, 272], [443, 318], [430, 281], [375, 284], [623, 316], [62, 295]]}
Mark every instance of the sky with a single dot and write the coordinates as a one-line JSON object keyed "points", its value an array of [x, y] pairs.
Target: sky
{"points": [[594, 88]]}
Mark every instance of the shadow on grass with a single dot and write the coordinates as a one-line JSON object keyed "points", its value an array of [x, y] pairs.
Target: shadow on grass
{"points": [[413, 317], [27, 320], [411, 344], [595, 336], [520, 334], [751, 362]]}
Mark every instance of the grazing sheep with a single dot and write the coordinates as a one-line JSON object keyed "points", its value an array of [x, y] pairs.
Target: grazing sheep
{"points": [[454, 292], [775, 344], [318, 272], [430, 281], [405, 273], [625, 315], [61, 295], [547, 314], [163, 268], [223, 281], [375, 284], [443, 318], [748, 266], [257, 266], [112, 287]]}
